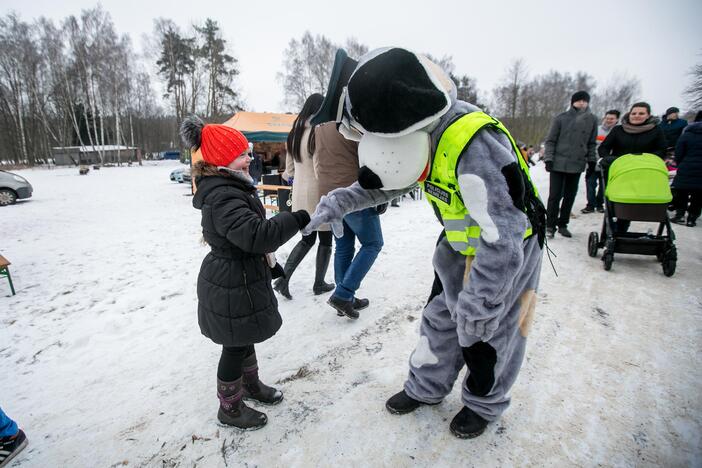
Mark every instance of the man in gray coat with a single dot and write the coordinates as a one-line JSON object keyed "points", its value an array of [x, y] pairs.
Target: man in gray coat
{"points": [[570, 148]]}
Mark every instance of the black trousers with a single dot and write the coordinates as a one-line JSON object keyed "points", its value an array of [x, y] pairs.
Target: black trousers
{"points": [[680, 201], [325, 238], [230, 362], [563, 187]]}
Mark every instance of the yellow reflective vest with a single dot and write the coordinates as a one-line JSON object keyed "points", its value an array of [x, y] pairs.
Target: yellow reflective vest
{"points": [[441, 184]]}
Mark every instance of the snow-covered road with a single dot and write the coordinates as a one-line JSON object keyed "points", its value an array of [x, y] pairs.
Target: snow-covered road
{"points": [[102, 362]]}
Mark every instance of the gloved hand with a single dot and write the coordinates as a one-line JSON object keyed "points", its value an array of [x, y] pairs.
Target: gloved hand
{"points": [[590, 169], [549, 165], [327, 211], [482, 328], [302, 218], [381, 208]]}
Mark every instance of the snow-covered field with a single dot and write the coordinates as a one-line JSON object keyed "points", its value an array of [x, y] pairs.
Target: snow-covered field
{"points": [[103, 365]]}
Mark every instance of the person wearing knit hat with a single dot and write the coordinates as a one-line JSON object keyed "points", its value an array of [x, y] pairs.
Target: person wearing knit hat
{"points": [[236, 304], [672, 126], [580, 96], [570, 149]]}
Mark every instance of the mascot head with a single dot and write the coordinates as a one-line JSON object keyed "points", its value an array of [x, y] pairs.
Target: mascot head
{"points": [[387, 101]]}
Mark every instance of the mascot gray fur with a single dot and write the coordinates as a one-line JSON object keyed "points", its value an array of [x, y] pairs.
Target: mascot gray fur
{"points": [[403, 111]]}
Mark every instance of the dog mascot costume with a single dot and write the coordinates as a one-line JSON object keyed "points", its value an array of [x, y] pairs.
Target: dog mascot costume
{"points": [[403, 111]]}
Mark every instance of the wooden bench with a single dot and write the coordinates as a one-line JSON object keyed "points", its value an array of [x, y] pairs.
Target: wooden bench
{"points": [[273, 188], [5, 272]]}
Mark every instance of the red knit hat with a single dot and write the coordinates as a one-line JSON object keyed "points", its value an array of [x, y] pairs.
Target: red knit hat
{"points": [[220, 144]]}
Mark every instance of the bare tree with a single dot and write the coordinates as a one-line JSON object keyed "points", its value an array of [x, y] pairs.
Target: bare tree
{"points": [[308, 63], [507, 95], [619, 93], [693, 92]]}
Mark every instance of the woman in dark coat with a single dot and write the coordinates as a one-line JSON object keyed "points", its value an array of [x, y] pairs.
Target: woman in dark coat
{"points": [[687, 185], [236, 304], [638, 133]]}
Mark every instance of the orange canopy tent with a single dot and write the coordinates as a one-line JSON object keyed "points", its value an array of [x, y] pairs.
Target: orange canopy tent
{"points": [[262, 126]]}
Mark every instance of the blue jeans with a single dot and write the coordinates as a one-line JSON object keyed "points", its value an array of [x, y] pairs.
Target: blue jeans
{"points": [[350, 267], [595, 197], [7, 426]]}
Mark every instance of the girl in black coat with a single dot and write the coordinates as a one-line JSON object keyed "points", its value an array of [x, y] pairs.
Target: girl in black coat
{"points": [[236, 304]]}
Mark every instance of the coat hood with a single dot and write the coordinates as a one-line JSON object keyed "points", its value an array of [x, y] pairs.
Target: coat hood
{"points": [[205, 185]]}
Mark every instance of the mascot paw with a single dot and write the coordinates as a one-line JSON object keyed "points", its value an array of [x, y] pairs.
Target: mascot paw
{"points": [[368, 179]]}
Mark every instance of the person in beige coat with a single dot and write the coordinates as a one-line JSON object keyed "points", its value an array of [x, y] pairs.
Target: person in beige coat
{"points": [[306, 193]]}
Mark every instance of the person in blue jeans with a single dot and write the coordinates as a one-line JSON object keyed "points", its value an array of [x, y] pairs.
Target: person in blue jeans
{"points": [[336, 165], [12, 439], [350, 267]]}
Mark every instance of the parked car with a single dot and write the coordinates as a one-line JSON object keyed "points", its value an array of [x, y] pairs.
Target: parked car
{"points": [[13, 188], [180, 175]]}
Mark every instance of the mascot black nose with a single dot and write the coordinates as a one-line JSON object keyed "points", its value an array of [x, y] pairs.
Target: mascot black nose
{"points": [[368, 179]]}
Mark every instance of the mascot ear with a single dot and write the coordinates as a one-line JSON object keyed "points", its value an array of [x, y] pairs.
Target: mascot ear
{"points": [[368, 179]]}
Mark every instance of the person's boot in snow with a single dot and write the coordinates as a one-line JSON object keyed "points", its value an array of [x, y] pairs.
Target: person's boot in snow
{"points": [[679, 217], [360, 304], [401, 403], [232, 409], [467, 424], [564, 232], [11, 446], [691, 222], [551, 232], [254, 389], [323, 256], [343, 307], [294, 259]]}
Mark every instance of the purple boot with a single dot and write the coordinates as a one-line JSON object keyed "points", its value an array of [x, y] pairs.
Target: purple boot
{"points": [[233, 411], [256, 390]]}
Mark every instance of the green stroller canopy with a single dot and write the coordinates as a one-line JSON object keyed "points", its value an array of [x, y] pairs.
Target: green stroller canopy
{"points": [[638, 178]]}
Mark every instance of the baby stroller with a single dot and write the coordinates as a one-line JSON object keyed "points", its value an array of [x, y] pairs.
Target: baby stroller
{"points": [[636, 190]]}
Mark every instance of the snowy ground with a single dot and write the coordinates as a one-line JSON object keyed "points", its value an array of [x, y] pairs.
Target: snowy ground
{"points": [[102, 363]]}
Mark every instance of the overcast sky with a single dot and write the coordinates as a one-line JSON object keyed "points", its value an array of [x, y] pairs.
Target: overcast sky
{"points": [[656, 41]]}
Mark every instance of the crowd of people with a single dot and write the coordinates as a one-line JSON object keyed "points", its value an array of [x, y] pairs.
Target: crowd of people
{"points": [[576, 143]]}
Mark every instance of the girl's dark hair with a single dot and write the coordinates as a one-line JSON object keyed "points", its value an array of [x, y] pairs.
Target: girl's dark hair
{"points": [[311, 106], [645, 105]]}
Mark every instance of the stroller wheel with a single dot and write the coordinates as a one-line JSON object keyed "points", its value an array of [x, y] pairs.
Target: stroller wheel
{"points": [[669, 261], [669, 266], [592, 242], [608, 258]]}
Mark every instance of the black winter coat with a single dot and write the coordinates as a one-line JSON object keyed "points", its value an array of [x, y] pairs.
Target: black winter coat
{"points": [[688, 156], [619, 143], [236, 303]]}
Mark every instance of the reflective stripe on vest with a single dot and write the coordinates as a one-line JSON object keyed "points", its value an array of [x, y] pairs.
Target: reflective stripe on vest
{"points": [[441, 185]]}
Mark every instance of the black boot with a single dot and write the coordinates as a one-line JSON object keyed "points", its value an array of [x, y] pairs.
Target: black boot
{"points": [[233, 411], [323, 256], [254, 389], [467, 424], [343, 307], [679, 217], [401, 403], [294, 259]]}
